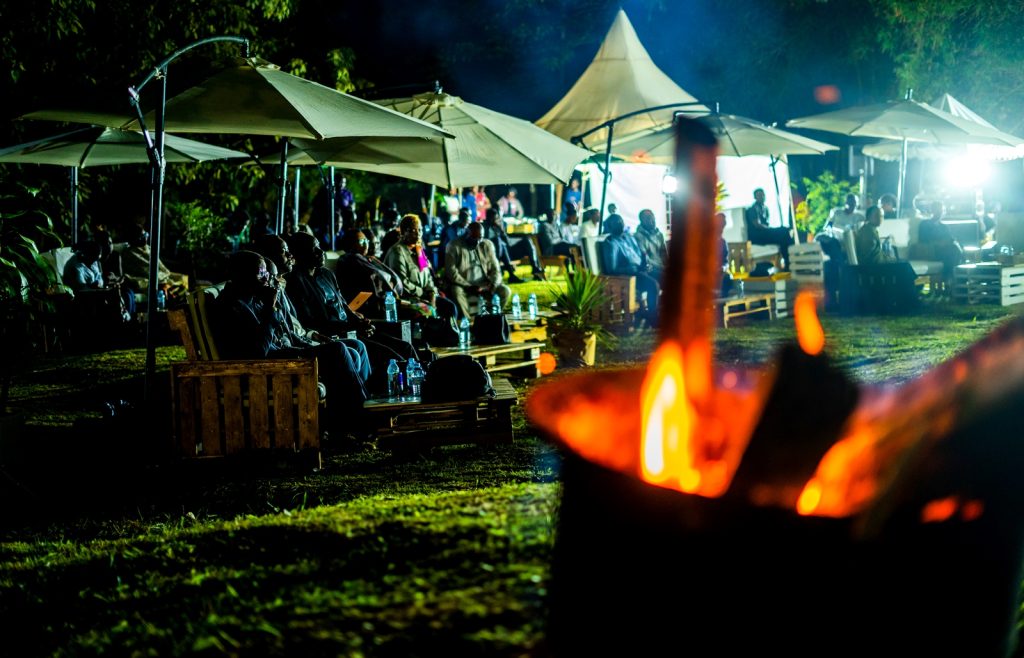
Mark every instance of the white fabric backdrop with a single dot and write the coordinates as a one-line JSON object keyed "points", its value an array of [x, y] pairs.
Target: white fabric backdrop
{"points": [[634, 187]]}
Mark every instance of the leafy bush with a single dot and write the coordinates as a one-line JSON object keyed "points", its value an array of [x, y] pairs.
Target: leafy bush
{"points": [[204, 238], [823, 195]]}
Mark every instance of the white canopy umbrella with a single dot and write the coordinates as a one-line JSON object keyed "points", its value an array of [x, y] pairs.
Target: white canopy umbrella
{"points": [[98, 146], [489, 147], [908, 121]]}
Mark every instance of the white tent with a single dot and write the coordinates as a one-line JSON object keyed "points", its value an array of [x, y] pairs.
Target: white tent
{"points": [[621, 79]]}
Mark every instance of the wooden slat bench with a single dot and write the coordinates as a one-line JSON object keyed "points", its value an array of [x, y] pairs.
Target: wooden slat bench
{"points": [[223, 407], [988, 283], [412, 424], [731, 308], [514, 358]]}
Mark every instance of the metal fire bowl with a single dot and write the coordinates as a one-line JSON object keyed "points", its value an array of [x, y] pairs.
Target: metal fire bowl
{"points": [[639, 569]]}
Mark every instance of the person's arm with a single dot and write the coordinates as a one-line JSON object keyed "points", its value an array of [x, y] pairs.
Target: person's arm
{"points": [[451, 268], [491, 266]]}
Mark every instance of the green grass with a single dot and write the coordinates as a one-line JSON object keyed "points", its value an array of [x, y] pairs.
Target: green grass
{"points": [[439, 554]]}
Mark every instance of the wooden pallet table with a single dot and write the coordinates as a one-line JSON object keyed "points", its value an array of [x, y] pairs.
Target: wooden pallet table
{"points": [[514, 358], [525, 330], [731, 308], [412, 424], [988, 283]]}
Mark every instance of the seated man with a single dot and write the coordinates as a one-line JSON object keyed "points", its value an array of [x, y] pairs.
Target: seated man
{"points": [[248, 323], [454, 230], [621, 256], [494, 230], [409, 261], [557, 238], [935, 242], [867, 242], [320, 305], [83, 274], [472, 269], [589, 227], [135, 262], [652, 243], [759, 232], [847, 218]]}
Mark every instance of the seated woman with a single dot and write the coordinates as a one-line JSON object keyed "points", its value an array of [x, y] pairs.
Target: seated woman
{"points": [[409, 260], [358, 272]]}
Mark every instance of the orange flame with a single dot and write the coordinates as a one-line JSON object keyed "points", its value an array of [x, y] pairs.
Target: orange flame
{"points": [[667, 423], [809, 333]]}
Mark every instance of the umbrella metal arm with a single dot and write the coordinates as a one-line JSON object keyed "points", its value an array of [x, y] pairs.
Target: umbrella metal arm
{"points": [[155, 149]]}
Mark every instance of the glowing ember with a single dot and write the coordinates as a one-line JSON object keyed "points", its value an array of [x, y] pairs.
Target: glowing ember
{"points": [[809, 333]]}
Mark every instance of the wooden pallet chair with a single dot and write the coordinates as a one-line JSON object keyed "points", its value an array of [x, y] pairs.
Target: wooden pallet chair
{"points": [[227, 407], [621, 312], [556, 261]]}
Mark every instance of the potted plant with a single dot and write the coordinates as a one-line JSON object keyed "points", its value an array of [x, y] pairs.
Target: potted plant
{"points": [[575, 332]]}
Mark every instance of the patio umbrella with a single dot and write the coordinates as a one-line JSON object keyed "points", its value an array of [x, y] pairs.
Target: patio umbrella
{"points": [[908, 121], [98, 146], [489, 147]]}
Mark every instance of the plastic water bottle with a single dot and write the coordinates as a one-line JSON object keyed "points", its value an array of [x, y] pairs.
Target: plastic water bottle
{"points": [[394, 380], [517, 307], [495, 304], [161, 299], [414, 377], [533, 306], [464, 334], [390, 307]]}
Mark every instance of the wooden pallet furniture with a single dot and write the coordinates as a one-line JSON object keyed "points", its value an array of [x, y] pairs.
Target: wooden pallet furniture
{"points": [[988, 283], [782, 285], [730, 308], [620, 314], [514, 358], [556, 261], [227, 407], [525, 329], [412, 424]]}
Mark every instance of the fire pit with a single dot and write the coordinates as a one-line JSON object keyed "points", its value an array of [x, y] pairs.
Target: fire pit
{"points": [[707, 512]]}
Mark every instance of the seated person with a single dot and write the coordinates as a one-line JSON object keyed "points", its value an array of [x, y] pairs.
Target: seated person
{"points": [[357, 272], [471, 269], [589, 226], [759, 232], [652, 243], [867, 242], [83, 273], [847, 218], [135, 261], [408, 260], [887, 202], [621, 256], [454, 230], [507, 251], [935, 242], [248, 323], [320, 305], [558, 238], [280, 262]]}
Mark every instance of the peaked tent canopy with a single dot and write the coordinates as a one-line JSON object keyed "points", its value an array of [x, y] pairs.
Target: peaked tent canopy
{"points": [[621, 79]]}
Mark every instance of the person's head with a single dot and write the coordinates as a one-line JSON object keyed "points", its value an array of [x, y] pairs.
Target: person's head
{"points": [[103, 239], [647, 219], [511, 192], [571, 217], [492, 217], [88, 251], [874, 216], [614, 224], [247, 271], [473, 235], [938, 209], [612, 209], [574, 184], [275, 250], [410, 230], [344, 181], [720, 223], [389, 219], [759, 195], [592, 215], [354, 242], [307, 251], [888, 204], [137, 236], [851, 202], [463, 219]]}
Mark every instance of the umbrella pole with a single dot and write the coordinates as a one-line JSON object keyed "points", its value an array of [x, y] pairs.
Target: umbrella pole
{"points": [[330, 207], [74, 205], [282, 194], [900, 183], [778, 200], [155, 229], [295, 197], [430, 206], [607, 175]]}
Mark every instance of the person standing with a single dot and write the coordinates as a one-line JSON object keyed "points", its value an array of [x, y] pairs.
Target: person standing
{"points": [[483, 204], [510, 205], [472, 270], [469, 203], [652, 243], [759, 231], [573, 195]]}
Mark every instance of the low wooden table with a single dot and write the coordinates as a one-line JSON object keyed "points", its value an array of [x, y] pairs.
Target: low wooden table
{"points": [[730, 308], [524, 329], [514, 358], [988, 283], [412, 424]]}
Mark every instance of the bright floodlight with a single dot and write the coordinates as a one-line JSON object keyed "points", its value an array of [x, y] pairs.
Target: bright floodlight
{"points": [[967, 171], [669, 184]]}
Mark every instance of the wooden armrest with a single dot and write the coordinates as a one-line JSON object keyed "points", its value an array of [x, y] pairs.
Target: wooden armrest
{"points": [[244, 367]]}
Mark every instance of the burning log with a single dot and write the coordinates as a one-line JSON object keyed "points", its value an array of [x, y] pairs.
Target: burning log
{"points": [[712, 516]]}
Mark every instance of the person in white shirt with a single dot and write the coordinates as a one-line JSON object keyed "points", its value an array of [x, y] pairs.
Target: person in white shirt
{"points": [[847, 218]]}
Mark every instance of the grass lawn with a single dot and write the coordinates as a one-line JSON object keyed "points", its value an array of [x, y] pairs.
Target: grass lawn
{"points": [[439, 554]]}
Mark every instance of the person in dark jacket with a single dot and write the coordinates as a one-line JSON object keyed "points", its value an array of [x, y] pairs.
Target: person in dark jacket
{"points": [[507, 251], [622, 256]]}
